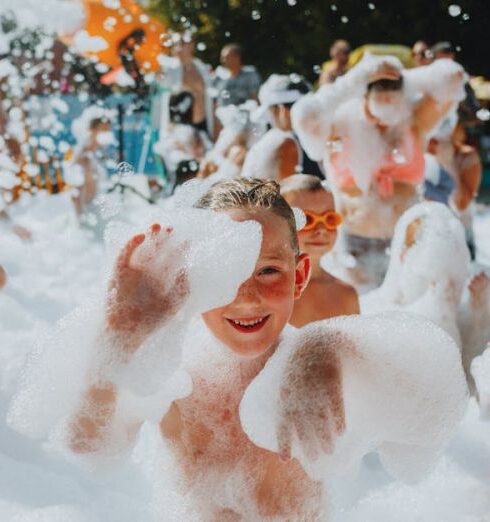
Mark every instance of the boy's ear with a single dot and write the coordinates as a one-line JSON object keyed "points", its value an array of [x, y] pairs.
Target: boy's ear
{"points": [[302, 274]]}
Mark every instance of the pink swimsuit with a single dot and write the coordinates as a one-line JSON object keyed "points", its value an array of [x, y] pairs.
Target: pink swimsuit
{"points": [[410, 169]]}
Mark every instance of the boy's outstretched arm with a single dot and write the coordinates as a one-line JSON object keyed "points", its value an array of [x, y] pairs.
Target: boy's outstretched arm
{"points": [[311, 396], [145, 291]]}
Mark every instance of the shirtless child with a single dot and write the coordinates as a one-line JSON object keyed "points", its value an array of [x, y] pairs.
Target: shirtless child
{"points": [[325, 296], [203, 429]]}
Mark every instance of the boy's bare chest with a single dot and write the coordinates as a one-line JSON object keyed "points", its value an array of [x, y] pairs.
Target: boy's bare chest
{"points": [[205, 427]]}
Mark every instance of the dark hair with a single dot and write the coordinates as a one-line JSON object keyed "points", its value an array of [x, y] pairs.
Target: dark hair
{"points": [[250, 193], [385, 84], [234, 48], [186, 170], [443, 48], [180, 107]]}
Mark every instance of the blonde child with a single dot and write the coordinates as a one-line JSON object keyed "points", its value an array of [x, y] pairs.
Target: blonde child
{"points": [[220, 470], [204, 428], [325, 296]]}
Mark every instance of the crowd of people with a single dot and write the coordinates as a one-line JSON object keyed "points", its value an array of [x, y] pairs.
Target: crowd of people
{"points": [[363, 189]]}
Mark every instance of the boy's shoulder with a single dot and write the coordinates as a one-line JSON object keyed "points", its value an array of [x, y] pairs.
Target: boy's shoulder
{"points": [[346, 295]]}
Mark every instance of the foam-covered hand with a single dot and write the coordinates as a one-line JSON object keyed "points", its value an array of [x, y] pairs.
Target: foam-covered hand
{"points": [[149, 284], [311, 400]]}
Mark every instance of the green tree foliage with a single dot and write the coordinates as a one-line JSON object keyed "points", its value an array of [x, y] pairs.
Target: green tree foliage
{"points": [[295, 35]]}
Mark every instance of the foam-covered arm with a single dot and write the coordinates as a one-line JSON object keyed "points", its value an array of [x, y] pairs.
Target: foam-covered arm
{"points": [[403, 393], [442, 80], [313, 114]]}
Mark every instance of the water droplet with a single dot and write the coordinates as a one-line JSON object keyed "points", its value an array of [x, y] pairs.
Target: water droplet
{"points": [[344, 19], [201, 46], [256, 15], [465, 17], [292, 2], [125, 169], [333, 7], [483, 115], [454, 10], [317, 69], [371, 6], [335, 145], [398, 156]]}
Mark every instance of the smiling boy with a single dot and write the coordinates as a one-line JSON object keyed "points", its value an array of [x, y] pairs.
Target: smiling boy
{"points": [[203, 429]]}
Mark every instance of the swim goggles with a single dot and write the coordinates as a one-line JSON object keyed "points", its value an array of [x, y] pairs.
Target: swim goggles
{"points": [[330, 219]]}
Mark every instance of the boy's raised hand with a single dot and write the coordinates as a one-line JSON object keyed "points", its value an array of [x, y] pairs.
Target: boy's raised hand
{"points": [[147, 286], [311, 397]]}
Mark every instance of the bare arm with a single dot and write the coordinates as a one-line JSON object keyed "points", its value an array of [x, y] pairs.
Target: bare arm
{"points": [[287, 158], [469, 179]]}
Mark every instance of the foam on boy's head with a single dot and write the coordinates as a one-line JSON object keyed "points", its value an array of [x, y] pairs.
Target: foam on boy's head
{"points": [[243, 193]]}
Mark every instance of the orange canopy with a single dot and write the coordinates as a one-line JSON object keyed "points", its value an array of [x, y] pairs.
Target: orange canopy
{"points": [[114, 20]]}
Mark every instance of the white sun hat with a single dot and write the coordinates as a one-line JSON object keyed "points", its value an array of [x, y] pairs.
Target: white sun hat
{"points": [[279, 89]]}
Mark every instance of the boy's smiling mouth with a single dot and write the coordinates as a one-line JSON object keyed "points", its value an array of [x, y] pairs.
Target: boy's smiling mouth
{"points": [[248, 325]]}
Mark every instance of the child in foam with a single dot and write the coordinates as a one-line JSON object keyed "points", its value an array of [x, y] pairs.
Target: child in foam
{"points": [[221, 470], [93, 132], [278, 153], [325, 296]]}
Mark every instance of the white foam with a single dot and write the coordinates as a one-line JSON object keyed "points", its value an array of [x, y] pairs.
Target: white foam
{"points": [[403, 398]]}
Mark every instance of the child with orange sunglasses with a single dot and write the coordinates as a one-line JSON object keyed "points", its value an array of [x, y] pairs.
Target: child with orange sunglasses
{"points": [[325, 296]]}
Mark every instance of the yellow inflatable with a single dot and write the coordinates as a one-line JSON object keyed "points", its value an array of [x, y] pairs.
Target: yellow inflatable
{"points": [[402, 52]]}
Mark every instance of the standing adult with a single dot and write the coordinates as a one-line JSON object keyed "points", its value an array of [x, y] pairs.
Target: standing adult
{"points": [[421, 53], [469, 106], [235, 83], [370, 128], [337, 66], [183, 72], [461, 163]]}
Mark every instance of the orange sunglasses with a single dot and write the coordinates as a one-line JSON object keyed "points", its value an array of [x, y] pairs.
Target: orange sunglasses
{"points": [[330, 219]]}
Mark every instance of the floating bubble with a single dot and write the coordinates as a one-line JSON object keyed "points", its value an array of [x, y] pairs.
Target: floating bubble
{"points": [[201, 46], [398, 156], [333, 7], [317, 69], [465, 17], [371, 6], [125, 169], [256, 15], [292, 2], [454, 10], [344, 19], [483, 115]]}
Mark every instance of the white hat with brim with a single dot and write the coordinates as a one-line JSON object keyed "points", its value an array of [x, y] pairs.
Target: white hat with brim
{"points": [[275, 92]]}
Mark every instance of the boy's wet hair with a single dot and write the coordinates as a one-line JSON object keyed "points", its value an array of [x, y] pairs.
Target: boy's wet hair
{"points": [[250, 193], [302, 182]]}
